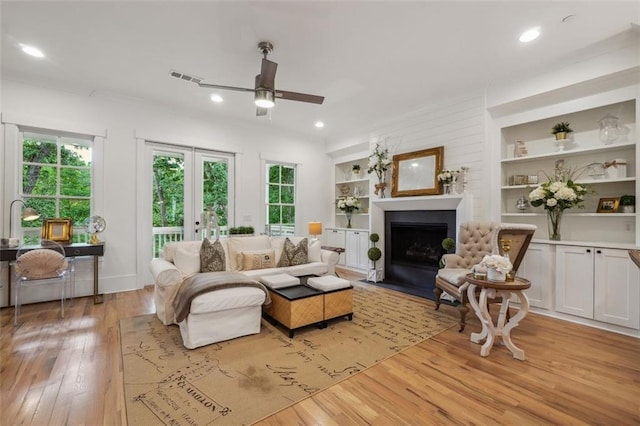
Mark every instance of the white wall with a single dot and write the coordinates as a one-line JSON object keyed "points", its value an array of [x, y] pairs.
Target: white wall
{"points": [[458, 124], [124, 121]]}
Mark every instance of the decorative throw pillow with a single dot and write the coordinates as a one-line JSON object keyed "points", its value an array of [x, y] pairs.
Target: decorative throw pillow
{"points": [[294, 254], [187, 261], [257, 259], [211, 256]]}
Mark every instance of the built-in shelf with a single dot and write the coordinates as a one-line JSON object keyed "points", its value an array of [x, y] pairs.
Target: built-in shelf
{"points": [[580, 181], [608, 215], [571, 152]]}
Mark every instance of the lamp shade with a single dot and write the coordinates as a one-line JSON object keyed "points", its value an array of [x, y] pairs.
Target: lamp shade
{"points": [[315, 228], [28, 214]]}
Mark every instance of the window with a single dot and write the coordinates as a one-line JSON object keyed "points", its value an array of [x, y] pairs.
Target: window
{"points": [[56, 180], [281, 207]]}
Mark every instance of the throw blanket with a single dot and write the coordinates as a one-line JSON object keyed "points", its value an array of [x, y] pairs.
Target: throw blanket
{"points": [[209, 281]]}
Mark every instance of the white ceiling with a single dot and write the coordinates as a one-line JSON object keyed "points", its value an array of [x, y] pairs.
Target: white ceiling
{"points": [[371, 60]]}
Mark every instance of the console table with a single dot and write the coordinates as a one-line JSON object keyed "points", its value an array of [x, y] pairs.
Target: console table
{"points": [[70, 250], [493, 289]]}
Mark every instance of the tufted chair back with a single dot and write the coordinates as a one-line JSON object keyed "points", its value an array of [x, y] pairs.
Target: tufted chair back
{"points": [[474, 242]]}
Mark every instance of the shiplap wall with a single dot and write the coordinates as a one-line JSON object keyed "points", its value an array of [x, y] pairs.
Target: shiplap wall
{"points": [[458, 125]]}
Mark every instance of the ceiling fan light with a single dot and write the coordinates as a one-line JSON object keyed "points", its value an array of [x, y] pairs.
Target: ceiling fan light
{"points": [[264, 98]]}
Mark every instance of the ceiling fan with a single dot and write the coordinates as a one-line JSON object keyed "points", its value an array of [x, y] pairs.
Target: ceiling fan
{"points": [[265, 92]]}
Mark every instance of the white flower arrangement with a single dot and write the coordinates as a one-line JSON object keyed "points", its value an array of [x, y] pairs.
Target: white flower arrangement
{"points": [[348, 204], [558, 195], [379, 162], [447, 176], [496, 261]]}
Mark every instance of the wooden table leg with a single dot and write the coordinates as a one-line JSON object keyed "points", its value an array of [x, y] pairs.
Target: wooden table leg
{"points": [[97, 297], [513, 322]]}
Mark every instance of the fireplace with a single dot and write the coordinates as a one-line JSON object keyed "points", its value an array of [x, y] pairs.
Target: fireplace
{"points": [[413, 246], [417, 244]]}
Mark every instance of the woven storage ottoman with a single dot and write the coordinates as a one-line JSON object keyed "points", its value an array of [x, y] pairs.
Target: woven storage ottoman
{"points": [[296, 306], [279, 280], [338, 296]]}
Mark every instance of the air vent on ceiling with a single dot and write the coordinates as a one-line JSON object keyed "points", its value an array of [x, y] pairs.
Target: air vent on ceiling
{"points": [[186, 77]]}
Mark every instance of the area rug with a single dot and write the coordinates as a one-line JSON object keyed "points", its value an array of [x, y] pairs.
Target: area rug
{"points": [[245, 379]]}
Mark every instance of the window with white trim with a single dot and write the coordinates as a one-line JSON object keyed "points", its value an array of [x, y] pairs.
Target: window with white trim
{"points": [[280, 199], [57, 179]]}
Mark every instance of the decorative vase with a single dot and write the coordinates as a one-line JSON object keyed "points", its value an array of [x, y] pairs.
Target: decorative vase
{"points": [[494, 275], [380, 187], [554, 218], [348, 215], [447, 189]]}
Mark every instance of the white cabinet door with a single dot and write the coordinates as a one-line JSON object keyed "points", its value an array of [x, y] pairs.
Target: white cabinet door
{"points": [[574, 280], [617, 286], [363, 248], [336, 238], [538, 266], [356, 250]]}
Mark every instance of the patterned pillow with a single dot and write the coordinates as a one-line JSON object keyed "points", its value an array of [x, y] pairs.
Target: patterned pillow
{"points": [[211, 256], [256, 259], [294, 254]]}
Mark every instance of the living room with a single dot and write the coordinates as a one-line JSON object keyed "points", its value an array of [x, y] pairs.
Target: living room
{"points": [[467, 122]]}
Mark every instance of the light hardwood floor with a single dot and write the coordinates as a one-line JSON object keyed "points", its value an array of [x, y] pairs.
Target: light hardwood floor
{"points": [[69, 372]]}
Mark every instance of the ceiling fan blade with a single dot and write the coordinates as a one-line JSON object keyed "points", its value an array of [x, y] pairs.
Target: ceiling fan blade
{"points": [[261, 111], [301, 97], [267, 74], [218, 86]]}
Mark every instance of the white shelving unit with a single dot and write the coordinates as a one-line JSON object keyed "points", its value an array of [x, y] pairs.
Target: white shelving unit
{"points": [[599, 240], [584, 149]]}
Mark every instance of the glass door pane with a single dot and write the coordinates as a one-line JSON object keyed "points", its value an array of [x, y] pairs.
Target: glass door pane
{"points": [[214, 188]]}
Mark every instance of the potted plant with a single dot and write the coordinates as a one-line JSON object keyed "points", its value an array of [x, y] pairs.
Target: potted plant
{"points": [[374, 254], [627, 204], [448, 244], [355, 171], [561, 130], [244, 231]]}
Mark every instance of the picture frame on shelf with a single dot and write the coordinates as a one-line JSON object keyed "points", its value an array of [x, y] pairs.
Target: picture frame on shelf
{"points": [[59, 230], [519, 149], [415, 173], [608, 205]]}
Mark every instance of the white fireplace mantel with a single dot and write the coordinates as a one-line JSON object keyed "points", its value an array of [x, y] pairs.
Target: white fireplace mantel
{"points": [[461, 203]]}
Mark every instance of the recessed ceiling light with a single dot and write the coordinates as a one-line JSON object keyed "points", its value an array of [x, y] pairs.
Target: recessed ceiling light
{"points": [[530, 35], [319, 124], [33, 51], [216, 98]]}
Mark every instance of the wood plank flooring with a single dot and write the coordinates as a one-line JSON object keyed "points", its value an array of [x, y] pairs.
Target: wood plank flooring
{"points": [[56, 371]]}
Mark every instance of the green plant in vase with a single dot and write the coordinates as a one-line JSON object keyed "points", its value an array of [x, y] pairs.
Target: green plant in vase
{"points": [[627, 204], [561, 130], [374, 254], [448, 244]]}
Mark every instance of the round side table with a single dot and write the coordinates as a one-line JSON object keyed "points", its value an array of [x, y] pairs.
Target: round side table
{"points": [[493, 289]]}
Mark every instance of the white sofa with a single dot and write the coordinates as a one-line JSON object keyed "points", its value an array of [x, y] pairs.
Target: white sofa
{"points": [[228, 313]]}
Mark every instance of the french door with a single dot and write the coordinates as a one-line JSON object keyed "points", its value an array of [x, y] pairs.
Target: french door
{"points": [[180, 184]]}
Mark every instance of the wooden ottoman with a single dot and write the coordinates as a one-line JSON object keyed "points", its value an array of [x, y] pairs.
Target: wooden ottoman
{"points": [[338, 296], [296, 306]]}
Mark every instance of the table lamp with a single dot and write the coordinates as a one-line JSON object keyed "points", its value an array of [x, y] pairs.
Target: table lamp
{"points": [[28, 214], [315, 229]]}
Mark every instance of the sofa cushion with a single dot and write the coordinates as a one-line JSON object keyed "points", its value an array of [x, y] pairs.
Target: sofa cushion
{"points": [[257, 259], [294, 254], [212, 256], [188, 261], [237, 244], [314, 268], [169, 250], [228, 298], [455, 276]]}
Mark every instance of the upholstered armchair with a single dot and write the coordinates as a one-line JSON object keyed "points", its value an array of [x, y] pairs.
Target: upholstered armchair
{"points": [[475, 240]]}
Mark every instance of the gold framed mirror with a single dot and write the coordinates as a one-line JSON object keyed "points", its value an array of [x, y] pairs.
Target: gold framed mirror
{"points": [[60, 230], [415, 173]]}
